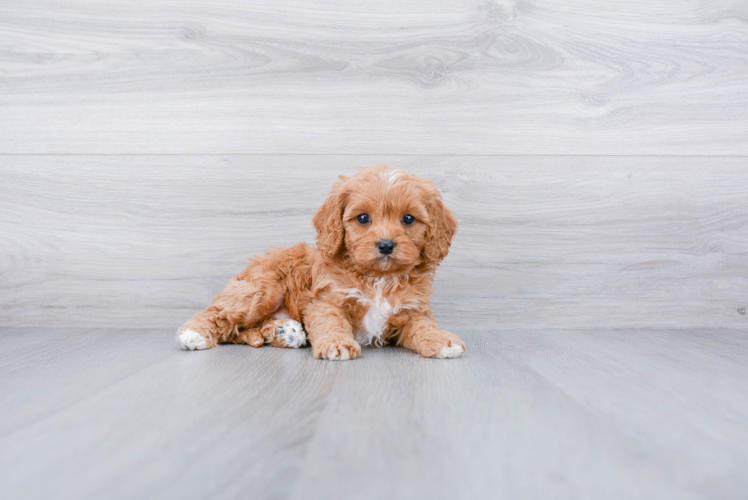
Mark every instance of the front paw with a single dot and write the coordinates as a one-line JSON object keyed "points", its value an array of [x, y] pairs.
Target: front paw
{"points": [[336, 349], [440, 344]]}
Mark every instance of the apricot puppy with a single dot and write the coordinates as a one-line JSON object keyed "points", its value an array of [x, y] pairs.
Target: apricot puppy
{"points": [[381, 234]]}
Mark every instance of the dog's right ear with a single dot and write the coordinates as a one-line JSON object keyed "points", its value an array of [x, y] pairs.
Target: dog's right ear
{"points": [[328, 221]]}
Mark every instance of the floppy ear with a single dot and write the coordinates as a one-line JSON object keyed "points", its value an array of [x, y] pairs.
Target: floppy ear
{"points": [[441, 228], [328, 221]]}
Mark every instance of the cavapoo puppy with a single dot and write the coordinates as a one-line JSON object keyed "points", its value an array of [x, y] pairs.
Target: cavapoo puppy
{"points": [[381, 235]]}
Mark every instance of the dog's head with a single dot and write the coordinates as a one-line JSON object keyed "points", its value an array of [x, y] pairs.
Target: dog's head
{"points": [[387, 222]]}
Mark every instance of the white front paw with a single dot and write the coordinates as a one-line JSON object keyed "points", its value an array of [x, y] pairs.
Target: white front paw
{"points": [[191, 340], [338, 354], [292, 333]]}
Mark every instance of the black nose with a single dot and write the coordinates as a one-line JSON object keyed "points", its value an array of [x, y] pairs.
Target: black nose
{"points": [[385, 246]]}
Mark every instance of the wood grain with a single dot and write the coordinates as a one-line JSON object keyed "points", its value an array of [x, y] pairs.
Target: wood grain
{"points": [[386, 77], [126, 415], [544, 242], [525, 414], [538, 414]]}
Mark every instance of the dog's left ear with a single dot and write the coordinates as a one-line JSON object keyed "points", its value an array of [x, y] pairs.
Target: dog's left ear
{"points": [[328, 221], [441, 227]]}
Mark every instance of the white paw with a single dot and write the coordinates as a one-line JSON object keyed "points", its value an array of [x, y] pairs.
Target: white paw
{"points": [[191, 340], [292, 333], [451, 351], [332, 355]]}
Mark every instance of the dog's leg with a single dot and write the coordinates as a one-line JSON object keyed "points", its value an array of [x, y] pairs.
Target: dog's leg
{"points": [[275, 332], [243, 304], [422, 335], [250, 336], [330, 333], [283, 333]]}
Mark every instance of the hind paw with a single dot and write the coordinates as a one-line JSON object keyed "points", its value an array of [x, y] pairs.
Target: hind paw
{"points": [[191, 340], [290, 334]]}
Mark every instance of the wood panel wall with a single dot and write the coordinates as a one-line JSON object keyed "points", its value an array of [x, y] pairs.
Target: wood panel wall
{"points": [[594, 151]]}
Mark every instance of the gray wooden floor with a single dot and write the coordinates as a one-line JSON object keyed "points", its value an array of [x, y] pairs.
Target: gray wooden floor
{"points": [[122, 413], [596, 155]]}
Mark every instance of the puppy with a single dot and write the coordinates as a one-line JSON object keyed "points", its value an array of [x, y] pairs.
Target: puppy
{"points": [[381, 234]]}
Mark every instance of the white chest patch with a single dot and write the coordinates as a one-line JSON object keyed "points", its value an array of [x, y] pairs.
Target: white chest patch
{"points": [[374, 324], [379, 309], [377, 315]]}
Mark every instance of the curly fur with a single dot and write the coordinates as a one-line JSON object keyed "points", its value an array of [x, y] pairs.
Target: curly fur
{"points": [[345, 292]]}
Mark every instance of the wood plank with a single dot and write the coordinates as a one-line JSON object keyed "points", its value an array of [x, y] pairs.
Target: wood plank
{"points": [[388, 77], [129, 415], [525, 414], [544, 242], [539, 414], [59, 381]]}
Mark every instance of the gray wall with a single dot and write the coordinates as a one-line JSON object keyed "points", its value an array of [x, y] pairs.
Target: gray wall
{"points": [[594, 151]]}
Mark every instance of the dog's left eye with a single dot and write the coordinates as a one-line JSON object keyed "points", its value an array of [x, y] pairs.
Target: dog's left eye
{"points": [[408, 219]]}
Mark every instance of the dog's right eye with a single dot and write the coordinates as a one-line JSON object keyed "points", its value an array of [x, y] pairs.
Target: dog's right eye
{"points": [[363, 219]]}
